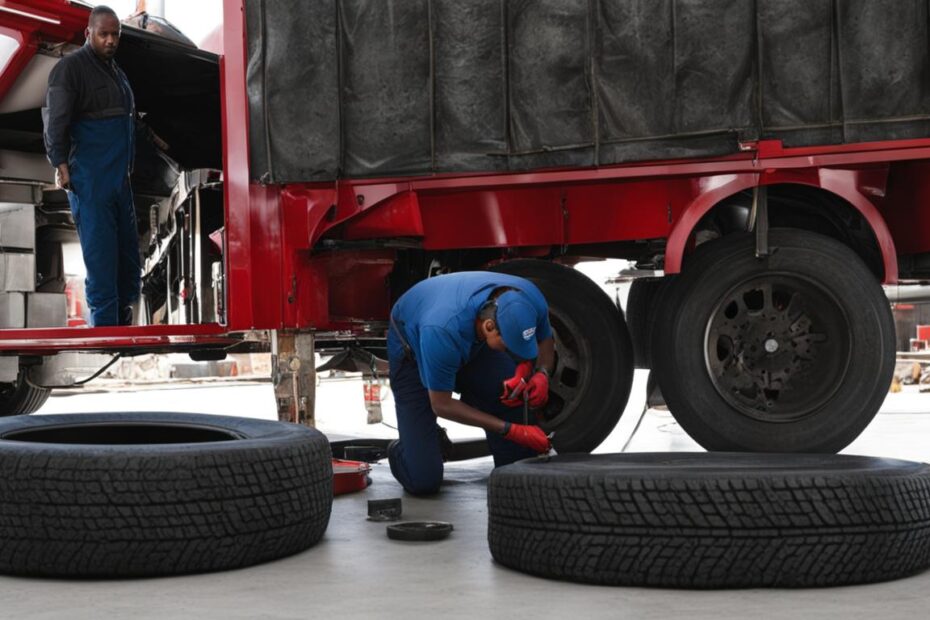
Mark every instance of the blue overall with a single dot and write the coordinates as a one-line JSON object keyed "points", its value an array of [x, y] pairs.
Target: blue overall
{"points": [[102, 206], [451, 361]]}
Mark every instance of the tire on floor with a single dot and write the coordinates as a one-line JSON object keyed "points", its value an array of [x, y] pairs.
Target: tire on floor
{"points": [[145, 494], [712, 520]]}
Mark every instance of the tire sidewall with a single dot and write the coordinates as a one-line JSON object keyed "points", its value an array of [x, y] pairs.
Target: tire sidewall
{"points": [[711, 520]]}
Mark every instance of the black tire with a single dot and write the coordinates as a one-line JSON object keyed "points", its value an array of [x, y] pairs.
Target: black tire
{"points": [[21, 398], [146, 494], [642, 306], [793, 352], [594, 357], [712, 520]]}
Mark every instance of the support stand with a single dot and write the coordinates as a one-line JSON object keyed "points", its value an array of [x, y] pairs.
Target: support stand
{"points": [[294, 376]]}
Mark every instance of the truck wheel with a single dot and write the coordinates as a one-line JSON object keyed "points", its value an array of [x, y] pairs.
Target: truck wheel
{"points": [[793, 352], [594, 357], [711, 520], [147, 494], [21, 398]]}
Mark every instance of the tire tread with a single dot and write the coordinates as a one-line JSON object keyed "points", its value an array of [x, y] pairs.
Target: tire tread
{"points": [[127, 515], [725, 530]]}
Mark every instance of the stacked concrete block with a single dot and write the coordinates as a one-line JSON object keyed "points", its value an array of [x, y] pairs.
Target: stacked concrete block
{"points": [[17, 271], [17, 227], [17, 262], [12, 310], [20, 305], [46, 310]]}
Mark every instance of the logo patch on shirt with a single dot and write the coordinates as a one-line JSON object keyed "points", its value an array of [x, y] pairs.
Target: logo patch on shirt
{"points": [[529, 333]]}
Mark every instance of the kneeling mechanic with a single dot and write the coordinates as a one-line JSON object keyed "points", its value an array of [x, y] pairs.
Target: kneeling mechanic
{"points": [[475, 333]]}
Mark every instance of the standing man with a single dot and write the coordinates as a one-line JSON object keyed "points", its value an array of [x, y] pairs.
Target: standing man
{"points": [[90, 140], [475, 333]]}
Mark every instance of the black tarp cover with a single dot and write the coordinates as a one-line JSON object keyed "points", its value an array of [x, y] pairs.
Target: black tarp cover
{"points": [[361, 88]]}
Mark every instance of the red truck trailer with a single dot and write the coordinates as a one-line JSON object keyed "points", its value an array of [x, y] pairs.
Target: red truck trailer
{"points": [[765, 163]]}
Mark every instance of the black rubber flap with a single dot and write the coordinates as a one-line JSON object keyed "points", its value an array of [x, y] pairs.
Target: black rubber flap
{"points": [[419, 531], [356, 88]]}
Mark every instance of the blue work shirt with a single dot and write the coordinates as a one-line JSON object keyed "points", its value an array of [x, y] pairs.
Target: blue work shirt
{"points": [[437, 317]]}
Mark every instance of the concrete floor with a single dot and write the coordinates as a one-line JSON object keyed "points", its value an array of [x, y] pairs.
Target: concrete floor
{"points": [[357, 572]]}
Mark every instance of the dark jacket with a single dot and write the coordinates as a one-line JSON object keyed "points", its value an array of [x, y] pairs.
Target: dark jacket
{"points": [[82, 87]]}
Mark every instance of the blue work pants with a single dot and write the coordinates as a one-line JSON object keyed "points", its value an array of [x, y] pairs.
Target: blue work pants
{"points": [[102, 208], [416, 460]]}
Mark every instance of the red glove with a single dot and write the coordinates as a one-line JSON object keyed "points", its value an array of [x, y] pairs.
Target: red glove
{"points": [[515, 385], [531, 437], [537, 390]]}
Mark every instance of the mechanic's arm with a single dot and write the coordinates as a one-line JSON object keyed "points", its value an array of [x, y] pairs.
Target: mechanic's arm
{"points": [[439, 356], [59, 110], [448, 408], [529, 436]]}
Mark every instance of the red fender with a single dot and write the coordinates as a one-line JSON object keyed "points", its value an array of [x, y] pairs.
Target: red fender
{"points": [[842, 183]]}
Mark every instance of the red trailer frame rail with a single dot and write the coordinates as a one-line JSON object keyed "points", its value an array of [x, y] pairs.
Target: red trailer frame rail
{"points": [[152, 338]]}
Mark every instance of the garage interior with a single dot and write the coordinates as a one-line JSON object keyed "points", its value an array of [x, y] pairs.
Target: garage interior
{"points": [[648, 526]]}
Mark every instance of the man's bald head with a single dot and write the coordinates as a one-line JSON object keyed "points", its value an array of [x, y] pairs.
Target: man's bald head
{"points": [[103, 31], [98, 12]]}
